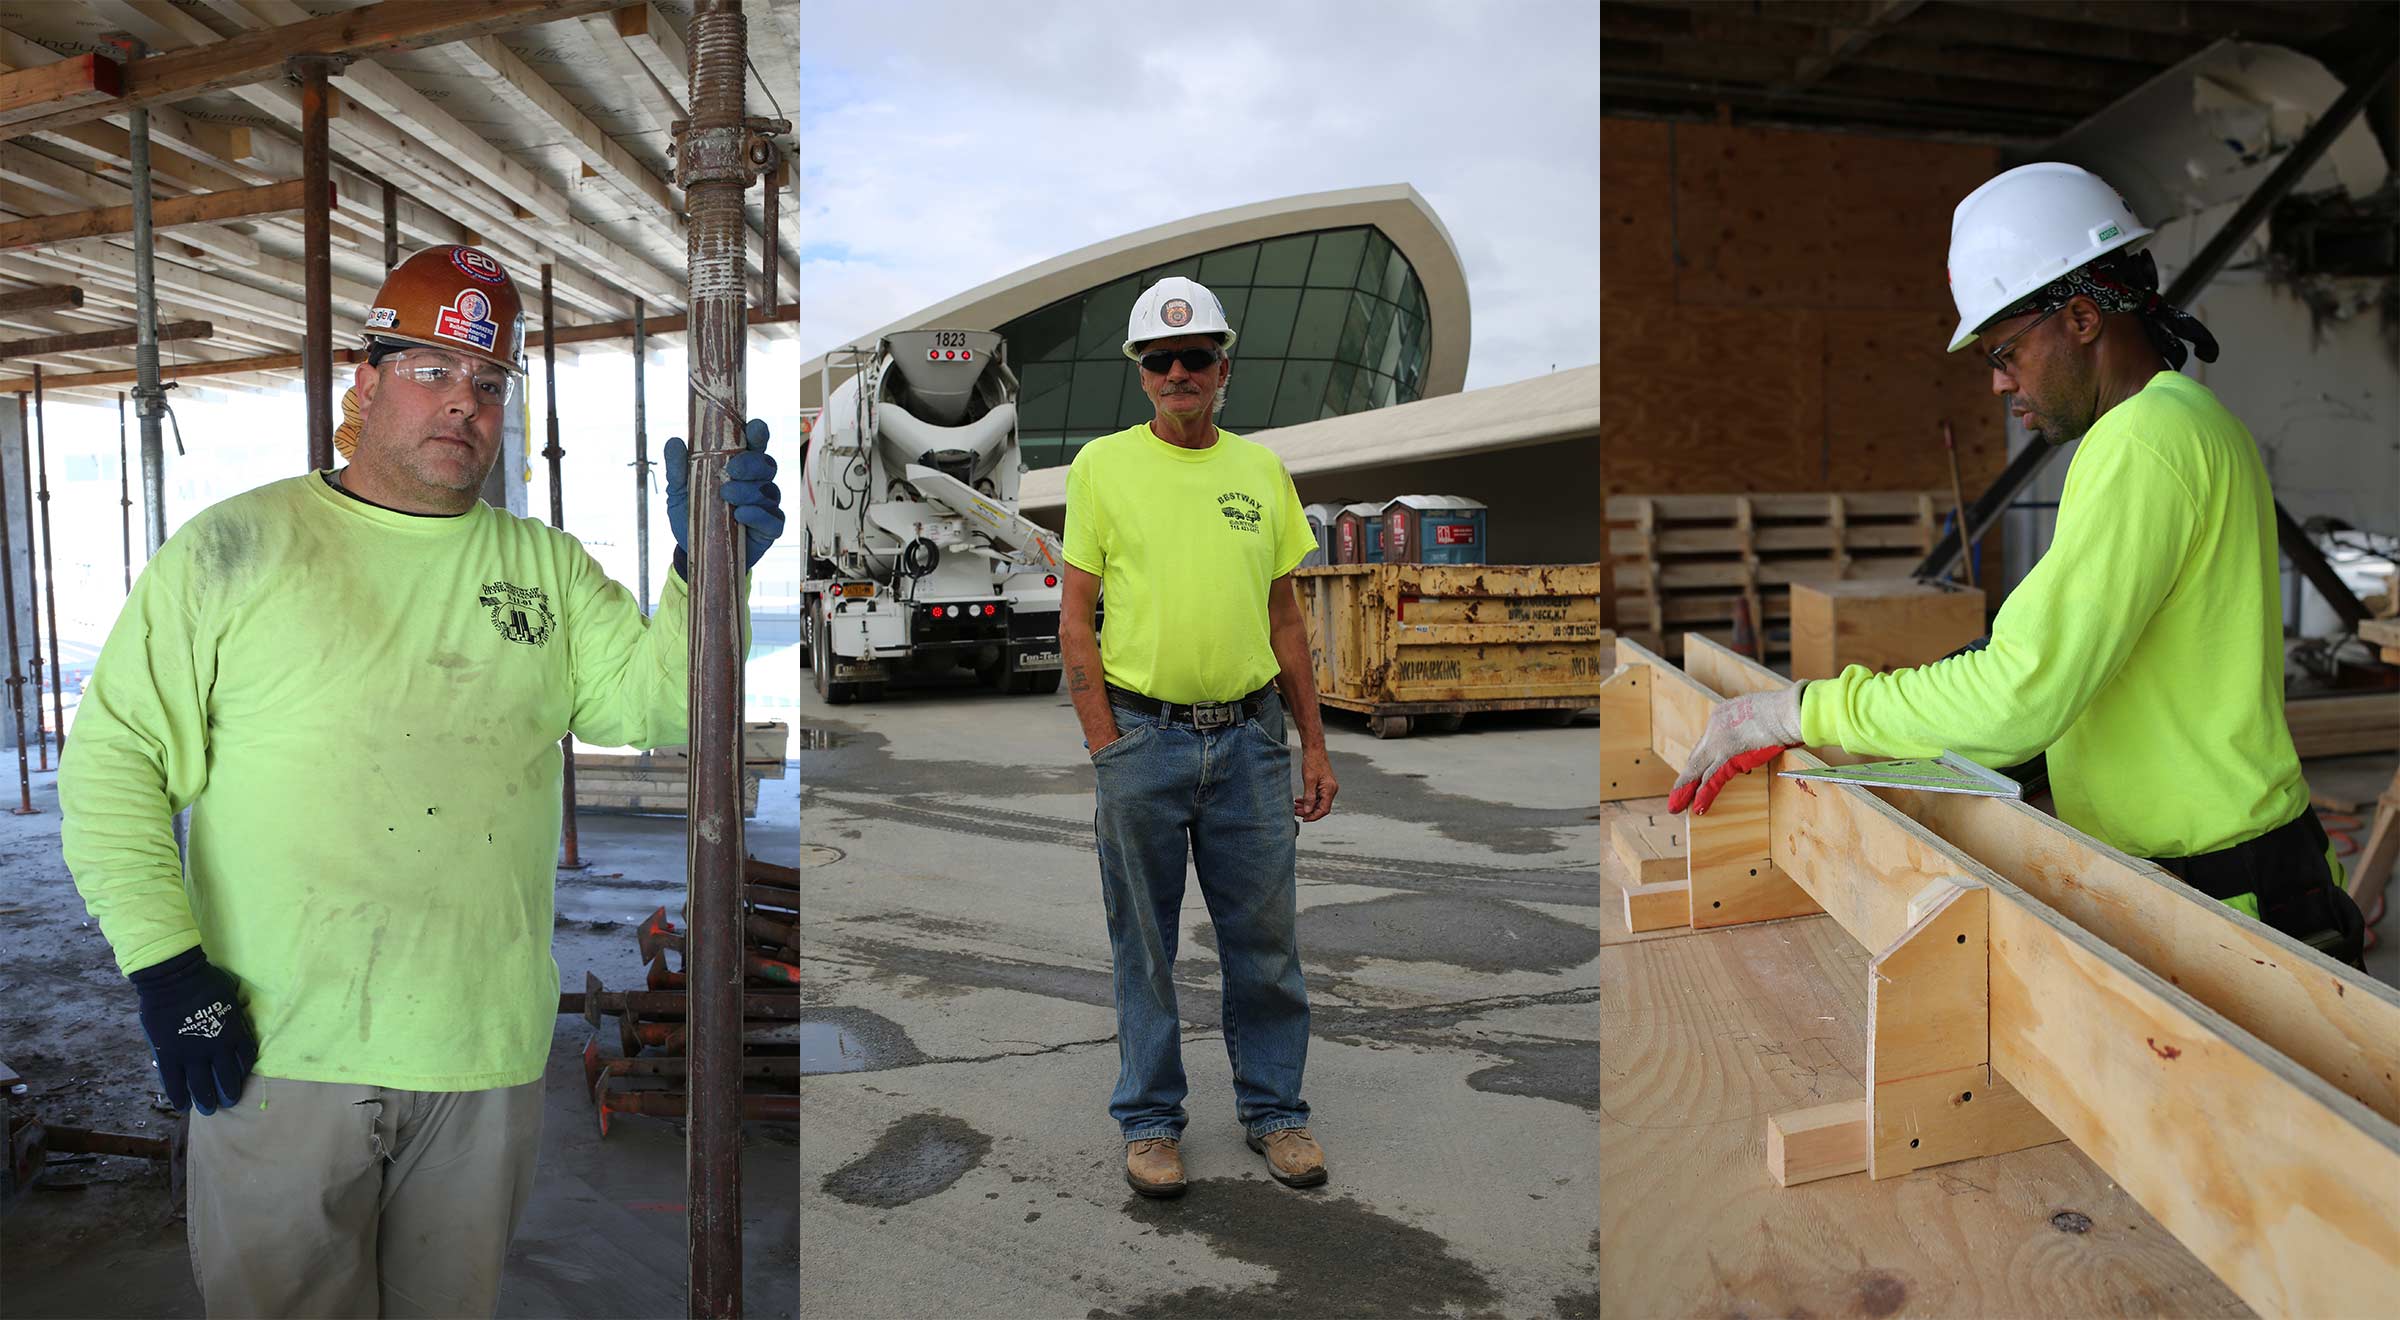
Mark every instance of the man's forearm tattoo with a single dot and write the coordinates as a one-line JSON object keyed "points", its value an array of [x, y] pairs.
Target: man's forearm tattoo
{"points": [[1079, 679]]}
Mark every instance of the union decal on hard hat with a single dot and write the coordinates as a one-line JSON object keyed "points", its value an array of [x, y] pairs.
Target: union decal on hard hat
{"points": [[1176, 312], [382, 318], [468, 319], [478, 264]]}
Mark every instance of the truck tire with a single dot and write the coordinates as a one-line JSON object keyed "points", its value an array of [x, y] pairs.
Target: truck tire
{"points": [[834, 694], [1388, 726], [808, 634]]}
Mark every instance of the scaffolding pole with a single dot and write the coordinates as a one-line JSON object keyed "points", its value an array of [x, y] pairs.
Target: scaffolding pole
{"points": [[570, 851], [124, 493], [16, 677], [41, 463], [33, 575], [316, 239], [719, 153], [641, 459], [149, 397]]}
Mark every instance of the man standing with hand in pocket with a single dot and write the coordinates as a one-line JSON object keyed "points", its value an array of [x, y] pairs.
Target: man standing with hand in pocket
{"points": [[1194, 533]]}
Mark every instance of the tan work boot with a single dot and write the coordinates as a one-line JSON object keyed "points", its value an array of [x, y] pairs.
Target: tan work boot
{"points": [[1293, 1157], [1154, 1166]]}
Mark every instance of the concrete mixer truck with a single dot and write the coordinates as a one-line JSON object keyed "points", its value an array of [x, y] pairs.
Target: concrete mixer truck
{"points": [[918, 563]]}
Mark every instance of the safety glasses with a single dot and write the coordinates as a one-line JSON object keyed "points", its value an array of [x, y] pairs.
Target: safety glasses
{"points": [[440, 374], [1194, 360], [1998, 357]]}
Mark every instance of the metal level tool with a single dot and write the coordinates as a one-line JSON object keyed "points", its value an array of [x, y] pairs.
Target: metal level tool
{"points": [[1947, 773]]}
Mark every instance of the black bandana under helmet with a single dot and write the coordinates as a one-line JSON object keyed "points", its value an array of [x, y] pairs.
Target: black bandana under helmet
{"points": [[2123, 281]]}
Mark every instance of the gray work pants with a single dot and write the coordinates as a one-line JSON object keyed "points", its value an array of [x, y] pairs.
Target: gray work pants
{"points": [[322, 1199]]}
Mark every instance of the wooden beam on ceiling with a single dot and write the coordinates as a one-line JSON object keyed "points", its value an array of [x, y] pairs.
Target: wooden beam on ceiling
{"points": [[531, 95], [19, 348], [41, 297], [654, 41], [360, 33], [266, 199], [40, 173], [650, 100], [80, 81]]}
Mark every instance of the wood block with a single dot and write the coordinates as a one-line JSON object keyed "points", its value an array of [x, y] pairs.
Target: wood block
{"points": [[1653, 848], [2344, 725], [1734, 878], [1882, 624], [1661, 906], [1931, 1093], [1629, 768], [1824, 1142]]}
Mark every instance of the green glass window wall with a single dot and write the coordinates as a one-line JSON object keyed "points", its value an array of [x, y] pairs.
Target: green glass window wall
{"points": [[1330, 322]]}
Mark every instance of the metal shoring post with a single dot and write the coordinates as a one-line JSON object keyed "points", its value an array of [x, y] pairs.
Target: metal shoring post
{"points": [[33, 570], [16, 679], [124, 493], [316, 344], [641, 459], [570, 850], [41, 462], [715, 164], [391, 228], [149, 397]]}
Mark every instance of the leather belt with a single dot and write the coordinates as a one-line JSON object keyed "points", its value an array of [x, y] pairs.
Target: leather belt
{"points": [[1202, 715]]}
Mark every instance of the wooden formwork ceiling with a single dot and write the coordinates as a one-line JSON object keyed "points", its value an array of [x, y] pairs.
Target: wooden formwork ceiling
{"points": [[543, 136], [2007, 72]]}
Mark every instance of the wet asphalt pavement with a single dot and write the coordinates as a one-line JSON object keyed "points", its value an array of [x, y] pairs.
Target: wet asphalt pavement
{"points": [[957, 1157]]}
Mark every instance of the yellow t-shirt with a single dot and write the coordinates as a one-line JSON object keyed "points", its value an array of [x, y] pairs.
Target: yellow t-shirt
{"points": [[1185, 543]]}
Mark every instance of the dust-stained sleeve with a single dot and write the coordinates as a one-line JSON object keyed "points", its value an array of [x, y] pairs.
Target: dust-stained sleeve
{"points": [[2126, 525], [138, 756], [632, 674]]}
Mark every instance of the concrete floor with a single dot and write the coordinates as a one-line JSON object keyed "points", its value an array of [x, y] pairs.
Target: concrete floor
{"points": [[962, 1161], [605, 1233]]}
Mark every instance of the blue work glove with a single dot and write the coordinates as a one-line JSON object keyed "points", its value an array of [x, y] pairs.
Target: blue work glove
{"points": [[199, 1037], [749, 487]]}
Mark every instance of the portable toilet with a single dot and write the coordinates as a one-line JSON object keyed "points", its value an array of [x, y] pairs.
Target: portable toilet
{"points": [[1433, 529], [1358, 534], [1320, 525]]}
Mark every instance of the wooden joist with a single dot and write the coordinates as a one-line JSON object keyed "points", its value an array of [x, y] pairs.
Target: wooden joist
{"points": [[2344, 725], [2282, 1176], [258, 56], [166, 213], [50, 344], [72, 83], [41, 297]]}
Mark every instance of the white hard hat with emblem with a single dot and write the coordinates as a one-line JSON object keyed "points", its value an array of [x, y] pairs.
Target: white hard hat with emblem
{"points": [[2023, 229], [1175, 306]]}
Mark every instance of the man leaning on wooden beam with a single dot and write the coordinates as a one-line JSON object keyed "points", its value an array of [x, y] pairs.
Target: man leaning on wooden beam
{"points": [[2144, 653]]}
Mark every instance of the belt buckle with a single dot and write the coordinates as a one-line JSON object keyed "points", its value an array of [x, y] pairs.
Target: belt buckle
{"points": [[1214, 714]]}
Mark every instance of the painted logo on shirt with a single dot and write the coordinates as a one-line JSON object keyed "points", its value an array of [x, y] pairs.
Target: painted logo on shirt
{"points": [[1242, 513], [468, 319], [522, 614]]}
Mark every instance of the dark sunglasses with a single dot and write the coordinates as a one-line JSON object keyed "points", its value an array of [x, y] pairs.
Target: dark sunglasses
{"points": [[1194, 360], [1998, 357]]}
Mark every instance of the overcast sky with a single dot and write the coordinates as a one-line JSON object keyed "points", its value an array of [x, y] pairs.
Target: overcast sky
{"points": [[946, 144]]}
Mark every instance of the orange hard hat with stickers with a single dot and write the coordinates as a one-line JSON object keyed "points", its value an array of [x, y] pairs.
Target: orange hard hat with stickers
{"points": [[450, 297]]}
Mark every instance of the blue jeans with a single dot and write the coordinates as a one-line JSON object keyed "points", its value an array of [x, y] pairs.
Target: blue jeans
{"points": [[1222, 798]]}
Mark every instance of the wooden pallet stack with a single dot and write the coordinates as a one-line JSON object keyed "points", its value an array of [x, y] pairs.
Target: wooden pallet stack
{"points": [[1685, 563], [659, 782]]}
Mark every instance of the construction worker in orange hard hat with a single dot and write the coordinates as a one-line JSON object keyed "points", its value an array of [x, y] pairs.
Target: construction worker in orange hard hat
{"points": [[358, 682]]}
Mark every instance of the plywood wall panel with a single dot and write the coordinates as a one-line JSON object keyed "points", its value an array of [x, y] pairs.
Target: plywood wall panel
{"points": [[1710, 398]]}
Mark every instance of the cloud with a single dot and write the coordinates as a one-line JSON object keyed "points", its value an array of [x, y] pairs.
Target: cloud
{"points": [[947, 144]]}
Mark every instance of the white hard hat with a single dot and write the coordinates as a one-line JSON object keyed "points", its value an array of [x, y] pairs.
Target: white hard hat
{"points": [[2025, 228], [1175, 306]]}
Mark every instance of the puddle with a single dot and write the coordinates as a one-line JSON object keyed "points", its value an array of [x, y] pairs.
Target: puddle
{"points": [[1568, 1072], [812, 739], [1477, 934], [916, 1157], [840, 1040]]}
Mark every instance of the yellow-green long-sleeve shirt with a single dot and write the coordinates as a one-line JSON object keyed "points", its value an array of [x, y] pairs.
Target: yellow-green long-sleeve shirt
{"points": [[2144, 652], [363, 710]]}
